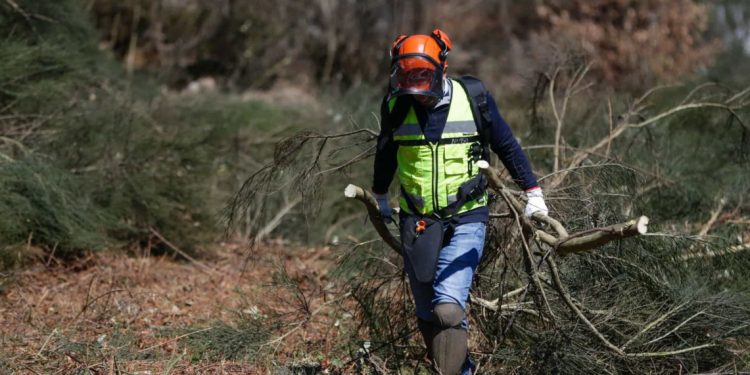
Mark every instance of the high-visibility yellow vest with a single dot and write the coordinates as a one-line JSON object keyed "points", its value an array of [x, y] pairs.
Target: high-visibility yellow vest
{"points": [[431, 173]]}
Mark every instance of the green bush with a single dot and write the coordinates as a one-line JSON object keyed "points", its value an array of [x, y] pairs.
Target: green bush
{"points": [[93, 157]]}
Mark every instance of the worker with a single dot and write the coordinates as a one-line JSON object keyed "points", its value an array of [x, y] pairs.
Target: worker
{"points": [[433, 134]]}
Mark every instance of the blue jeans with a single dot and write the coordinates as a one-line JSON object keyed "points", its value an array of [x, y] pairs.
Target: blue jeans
{"points": [[455, 269]]}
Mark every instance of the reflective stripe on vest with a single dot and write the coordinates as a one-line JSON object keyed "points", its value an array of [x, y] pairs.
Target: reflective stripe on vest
{"points": [[431, 173]]}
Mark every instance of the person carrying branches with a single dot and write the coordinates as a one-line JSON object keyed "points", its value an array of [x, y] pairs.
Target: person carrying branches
{"points": [[434, 131]]}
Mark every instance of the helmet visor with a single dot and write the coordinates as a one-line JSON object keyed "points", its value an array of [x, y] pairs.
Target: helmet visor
{"points": [[416, 75]]}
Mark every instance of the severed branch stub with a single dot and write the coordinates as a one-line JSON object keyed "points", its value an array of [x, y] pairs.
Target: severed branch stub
{"points": [[362, 195], [562, 242]]}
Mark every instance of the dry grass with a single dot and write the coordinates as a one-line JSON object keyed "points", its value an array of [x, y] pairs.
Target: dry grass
{"points": [[111, 313]]}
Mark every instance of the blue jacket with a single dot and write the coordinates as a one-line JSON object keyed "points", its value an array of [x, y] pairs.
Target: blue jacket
{"points": [[433, 121]]}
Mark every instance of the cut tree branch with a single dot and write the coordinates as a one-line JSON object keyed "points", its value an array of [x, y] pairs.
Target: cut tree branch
{"points": [[356, 192], [563, 244]]}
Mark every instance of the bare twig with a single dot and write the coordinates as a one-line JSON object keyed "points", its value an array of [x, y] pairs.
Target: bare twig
{"points": [[653, 324], [695, 90], [625, 125], [532, 267], [738, 95], [492, 305], [91, 302], [176, 339], [610, 121], [39, 353], [673, 330], [276, 220], [712, 219], [18, 9], [705, 228], [558, 119], [715, 253], [568, 301], [179, 251], [665, 354]]}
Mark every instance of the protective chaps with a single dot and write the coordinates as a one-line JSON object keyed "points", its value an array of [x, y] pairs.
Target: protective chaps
{"points": [[445, 339]]}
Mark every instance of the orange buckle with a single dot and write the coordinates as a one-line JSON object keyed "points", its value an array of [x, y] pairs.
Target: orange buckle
{"points": [[421, 225]]}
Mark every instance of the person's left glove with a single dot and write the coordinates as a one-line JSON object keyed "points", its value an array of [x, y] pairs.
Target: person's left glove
{"points": [[386, 212], [535, 202]]}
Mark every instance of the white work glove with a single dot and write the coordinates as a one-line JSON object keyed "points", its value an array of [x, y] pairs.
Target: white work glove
{"points": [[386, 212], [535, 202]]}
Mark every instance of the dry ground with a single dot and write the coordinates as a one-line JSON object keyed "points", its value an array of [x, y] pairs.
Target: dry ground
{"points": [[112, 313]]}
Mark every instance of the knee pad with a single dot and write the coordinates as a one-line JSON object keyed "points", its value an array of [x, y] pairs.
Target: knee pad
{"points": [[448, 315], [449, 350]]}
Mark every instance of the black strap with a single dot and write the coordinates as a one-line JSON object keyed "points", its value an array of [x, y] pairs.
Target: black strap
{"points": [[397, 115], [442, 141], [471, 190], [480, 109]]}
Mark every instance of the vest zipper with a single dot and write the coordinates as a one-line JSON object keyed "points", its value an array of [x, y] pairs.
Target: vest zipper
{"points": [[433, 148]]}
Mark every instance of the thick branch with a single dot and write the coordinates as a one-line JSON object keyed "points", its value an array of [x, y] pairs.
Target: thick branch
{"points": [[356, 192], [594, 238]]}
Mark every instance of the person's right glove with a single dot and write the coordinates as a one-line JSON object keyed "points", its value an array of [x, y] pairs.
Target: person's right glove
{"points": [[535, 202], [386, 212]]}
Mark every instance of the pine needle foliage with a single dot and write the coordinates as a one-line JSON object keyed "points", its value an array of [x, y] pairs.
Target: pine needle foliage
{"points": [[666, 301], [93, 157], [242, 341]]}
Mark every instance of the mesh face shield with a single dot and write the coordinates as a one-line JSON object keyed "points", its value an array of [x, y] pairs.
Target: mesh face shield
{"points": [[416, 74]]}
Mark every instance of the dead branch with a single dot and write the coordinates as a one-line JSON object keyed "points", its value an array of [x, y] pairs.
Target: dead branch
{"points": [[673, 330], [18, 9], [492, 305], [335, 226], [568, 301], [715, 253], [565, 244], [665, 354], [625, 125], [356, 192], [653, 324], [276, 220], [572, 89], [528, 256], [176, 249]]}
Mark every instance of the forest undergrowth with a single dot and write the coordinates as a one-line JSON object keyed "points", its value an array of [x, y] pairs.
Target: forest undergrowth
{"points": [[118, 194]]}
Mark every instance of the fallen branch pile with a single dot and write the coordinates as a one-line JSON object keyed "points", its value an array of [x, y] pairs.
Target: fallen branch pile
{"points": [[561, 245], [630, 308]]}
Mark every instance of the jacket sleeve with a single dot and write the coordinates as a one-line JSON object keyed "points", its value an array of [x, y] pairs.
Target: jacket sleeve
{"points": [[385, 154], [504, 144]]}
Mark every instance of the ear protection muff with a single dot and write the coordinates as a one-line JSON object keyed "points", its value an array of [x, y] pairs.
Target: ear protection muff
{"points": [[397, 44], [443, 42]]}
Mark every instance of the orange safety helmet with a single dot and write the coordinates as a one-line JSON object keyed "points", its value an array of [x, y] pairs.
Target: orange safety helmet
{"points": [[418, 64]]}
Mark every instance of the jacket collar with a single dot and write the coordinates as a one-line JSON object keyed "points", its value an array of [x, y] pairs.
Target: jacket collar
{"points": [[447, 91]]}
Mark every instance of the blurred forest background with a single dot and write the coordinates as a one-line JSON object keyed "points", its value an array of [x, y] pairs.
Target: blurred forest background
{"points": [[202, 130]]}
